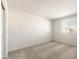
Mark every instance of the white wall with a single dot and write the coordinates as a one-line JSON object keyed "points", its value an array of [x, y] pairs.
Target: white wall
{"points": [[26, 29], [68, 38]]}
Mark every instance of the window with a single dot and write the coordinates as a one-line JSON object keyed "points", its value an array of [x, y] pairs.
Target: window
{"points": [[68, 25]]}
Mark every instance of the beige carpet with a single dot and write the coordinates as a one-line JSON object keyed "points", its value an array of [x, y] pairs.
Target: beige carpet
{"points": [[50, 50]]}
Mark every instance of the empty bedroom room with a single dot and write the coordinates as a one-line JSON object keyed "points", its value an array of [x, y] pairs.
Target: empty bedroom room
{"points": [[42, 29]]}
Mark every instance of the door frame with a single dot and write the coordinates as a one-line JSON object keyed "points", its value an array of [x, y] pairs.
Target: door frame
{"points": [[4, 34]]}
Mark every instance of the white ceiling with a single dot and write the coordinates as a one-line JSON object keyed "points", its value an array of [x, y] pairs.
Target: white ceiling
{"points": [[45, 8]]}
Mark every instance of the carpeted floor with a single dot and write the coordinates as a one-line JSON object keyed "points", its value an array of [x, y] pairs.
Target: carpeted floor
{"points": [[50, 50]]}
